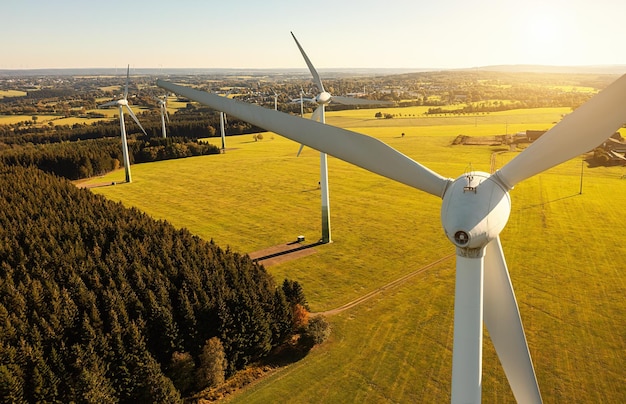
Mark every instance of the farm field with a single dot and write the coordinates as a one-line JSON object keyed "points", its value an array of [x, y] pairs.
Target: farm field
{"points": [[564, 251], [12, 93], [11, 119]]}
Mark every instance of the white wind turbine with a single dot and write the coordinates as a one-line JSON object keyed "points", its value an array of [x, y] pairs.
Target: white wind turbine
{"points": [[121, 104], [301, 101], [223, 124], [475, 209], [164, 115], [322, 99]]}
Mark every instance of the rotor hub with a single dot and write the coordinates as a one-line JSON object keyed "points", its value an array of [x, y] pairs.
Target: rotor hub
{"points": [[475, 209], [323, 98]]}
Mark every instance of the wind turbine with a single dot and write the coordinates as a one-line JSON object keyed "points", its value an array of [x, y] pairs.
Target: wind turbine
{"points": [[475, 209], [223, 124], [301, 100], [121, 104], [275, 101], [163, 109], [322, 99]]}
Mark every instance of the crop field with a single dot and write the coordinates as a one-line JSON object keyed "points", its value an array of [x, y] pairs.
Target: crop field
{"points": [[564, 250], [11, 119], [12, 93]]}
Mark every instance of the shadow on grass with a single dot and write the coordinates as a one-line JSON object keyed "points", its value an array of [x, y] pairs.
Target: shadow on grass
{"points": [[298, 247], [549, 202], [103, 184], [289, 352]]}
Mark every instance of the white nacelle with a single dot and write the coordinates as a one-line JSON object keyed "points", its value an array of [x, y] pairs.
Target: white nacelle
{"points": [[323, 98], [475, 209]]}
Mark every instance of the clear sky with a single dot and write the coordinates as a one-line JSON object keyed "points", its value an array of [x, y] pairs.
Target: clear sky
{"points": [[334, 33]]}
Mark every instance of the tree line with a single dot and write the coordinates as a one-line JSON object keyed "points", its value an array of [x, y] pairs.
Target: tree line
{"points": [[84, 159], [101, 303]]}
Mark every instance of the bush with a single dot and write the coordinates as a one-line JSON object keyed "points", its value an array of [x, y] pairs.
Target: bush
{"points": [[317, 331]]}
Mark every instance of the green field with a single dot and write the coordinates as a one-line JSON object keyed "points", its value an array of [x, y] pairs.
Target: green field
{"points": [[564, 251]]}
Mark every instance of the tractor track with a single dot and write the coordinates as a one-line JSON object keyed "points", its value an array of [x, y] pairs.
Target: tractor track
{"points": [[381, 289]]}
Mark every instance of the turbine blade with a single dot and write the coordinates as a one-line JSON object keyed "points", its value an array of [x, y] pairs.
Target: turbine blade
{"points": [[300, 150], [127, 80], [503, 321], [579, 132], [316, 77], [358, 101], [130, 111], [317, 114], [360, 150], [167, 115], [108, 104]]}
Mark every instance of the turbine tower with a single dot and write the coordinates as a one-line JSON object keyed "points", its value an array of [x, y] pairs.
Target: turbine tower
{"points": [[121, 104], [164, 115], [475, 209], [322, 99], [223, 124]]}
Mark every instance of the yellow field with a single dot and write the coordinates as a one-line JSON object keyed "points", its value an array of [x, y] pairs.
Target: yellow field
{"points": [[12, 93], [11, 119]]}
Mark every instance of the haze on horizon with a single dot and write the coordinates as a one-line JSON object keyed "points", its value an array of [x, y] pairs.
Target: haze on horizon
{"points": [[335, 34]]}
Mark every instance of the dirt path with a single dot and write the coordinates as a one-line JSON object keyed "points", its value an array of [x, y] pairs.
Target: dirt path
{"points": [[377, 291]]}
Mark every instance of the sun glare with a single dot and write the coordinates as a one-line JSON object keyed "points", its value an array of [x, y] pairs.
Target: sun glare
{"points": [[543, 37]]}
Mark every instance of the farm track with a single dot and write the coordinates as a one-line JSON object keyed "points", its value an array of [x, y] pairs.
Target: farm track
{"points": [[381, 289]]}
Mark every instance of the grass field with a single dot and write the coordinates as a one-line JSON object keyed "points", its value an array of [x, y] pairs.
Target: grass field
{"points": [[564, 251]]}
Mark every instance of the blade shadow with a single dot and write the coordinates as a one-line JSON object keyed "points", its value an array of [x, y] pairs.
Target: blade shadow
{"points": [[549, 202]]}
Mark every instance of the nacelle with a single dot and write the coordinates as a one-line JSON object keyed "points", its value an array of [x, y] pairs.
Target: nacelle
{"points": [[323, 98], [475, 209]]}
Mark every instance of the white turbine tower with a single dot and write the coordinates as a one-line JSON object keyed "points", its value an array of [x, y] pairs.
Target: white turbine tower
{"points": [[223, 124], [121, 104], [322, 99], [475, 209], [164, 115]]}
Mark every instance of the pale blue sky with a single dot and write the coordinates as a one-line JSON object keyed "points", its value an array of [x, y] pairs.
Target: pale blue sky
{"points": [[335, 33]]}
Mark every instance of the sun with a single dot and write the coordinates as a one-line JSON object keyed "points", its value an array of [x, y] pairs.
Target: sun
{"points": [[543, 37]]}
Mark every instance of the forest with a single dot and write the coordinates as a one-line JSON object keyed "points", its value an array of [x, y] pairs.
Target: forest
{"points": [[101, 303], [84, 159]]}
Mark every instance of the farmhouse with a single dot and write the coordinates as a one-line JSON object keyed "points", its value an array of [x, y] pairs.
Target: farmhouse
{"points": [[532, 135]]}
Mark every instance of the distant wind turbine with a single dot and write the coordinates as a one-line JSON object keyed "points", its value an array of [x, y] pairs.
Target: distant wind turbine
{"points": [[223, 124], [322, 99], [275, 100], [121, 104], [163, 109]]}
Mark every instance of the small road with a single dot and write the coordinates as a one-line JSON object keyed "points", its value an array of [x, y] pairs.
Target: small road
{"points": [[379, 290]]}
